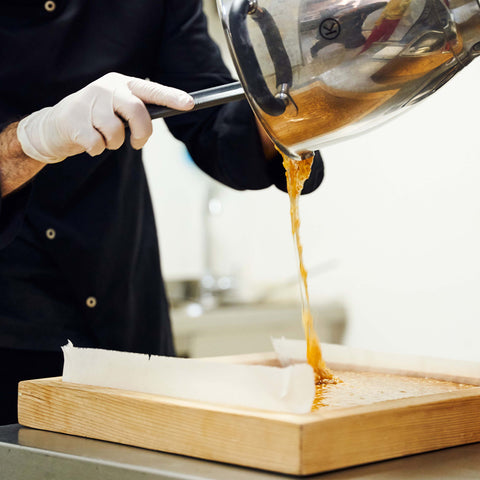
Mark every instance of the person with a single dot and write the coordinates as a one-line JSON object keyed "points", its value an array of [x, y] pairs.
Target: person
{"points": [[79, 255]]}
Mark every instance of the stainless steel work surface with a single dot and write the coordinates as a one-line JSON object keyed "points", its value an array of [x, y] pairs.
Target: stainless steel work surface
{"points": [[26, 453]]}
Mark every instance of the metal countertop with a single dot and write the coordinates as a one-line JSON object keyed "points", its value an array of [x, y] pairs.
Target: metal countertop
{"points": [[26, 454]]}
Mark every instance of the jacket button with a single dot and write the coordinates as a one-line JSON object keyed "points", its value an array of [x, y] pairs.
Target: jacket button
{"points": [[49, 6], [91, 302], [50, 233]]}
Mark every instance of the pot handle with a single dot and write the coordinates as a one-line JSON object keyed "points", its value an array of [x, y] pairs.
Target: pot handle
{"points": [[209, 97], [273, 105]]}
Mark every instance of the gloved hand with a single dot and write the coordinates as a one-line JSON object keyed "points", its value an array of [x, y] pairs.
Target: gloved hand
{"points": [[90, 120]]}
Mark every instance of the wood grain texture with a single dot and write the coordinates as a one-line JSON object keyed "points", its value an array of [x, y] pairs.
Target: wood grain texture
{"points": [[330, 438], [396, 428], [204, 431]]}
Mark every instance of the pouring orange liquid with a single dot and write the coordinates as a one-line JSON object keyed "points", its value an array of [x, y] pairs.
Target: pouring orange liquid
{"points": [[297, 172]]}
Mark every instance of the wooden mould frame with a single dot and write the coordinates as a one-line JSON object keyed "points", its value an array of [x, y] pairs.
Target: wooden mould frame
{"points": [[287, 443]]}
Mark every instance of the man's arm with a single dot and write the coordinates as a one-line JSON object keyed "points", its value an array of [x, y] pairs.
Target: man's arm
{"points": [[89, 120], [16, 168]]}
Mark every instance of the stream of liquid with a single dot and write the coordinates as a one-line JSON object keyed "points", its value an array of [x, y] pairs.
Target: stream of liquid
{"points": [[297, 172]]}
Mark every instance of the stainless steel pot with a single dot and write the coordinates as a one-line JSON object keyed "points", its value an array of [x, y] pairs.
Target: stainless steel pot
{"points": [[316, 71]]}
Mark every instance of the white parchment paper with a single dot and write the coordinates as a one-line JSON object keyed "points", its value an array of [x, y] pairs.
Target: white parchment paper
{"points": [[289, 389]]}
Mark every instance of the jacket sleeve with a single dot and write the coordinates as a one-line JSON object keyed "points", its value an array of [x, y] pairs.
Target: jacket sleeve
{"points": [[223, 141]]}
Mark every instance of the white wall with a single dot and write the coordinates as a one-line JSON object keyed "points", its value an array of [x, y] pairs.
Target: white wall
{"points": [[396, 225], [406, 203]]}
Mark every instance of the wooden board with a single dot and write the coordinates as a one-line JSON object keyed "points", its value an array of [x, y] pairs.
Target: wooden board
{"points": [[370, 417]]}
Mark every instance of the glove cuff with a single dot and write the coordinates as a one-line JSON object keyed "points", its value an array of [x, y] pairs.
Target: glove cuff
{"points": [[29, 134]]}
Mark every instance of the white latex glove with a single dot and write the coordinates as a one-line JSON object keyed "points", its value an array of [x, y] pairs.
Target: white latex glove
{"points": [[90, 120]]}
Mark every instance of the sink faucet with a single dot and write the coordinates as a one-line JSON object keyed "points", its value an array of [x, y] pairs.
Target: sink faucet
{"points": [[214, 287]]}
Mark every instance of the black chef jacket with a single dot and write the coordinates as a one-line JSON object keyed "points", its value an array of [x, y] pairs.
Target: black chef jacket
{"points": [[79, 256]]}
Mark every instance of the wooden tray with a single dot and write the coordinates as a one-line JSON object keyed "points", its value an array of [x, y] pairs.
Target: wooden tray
{"points": [[366, 421]]}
